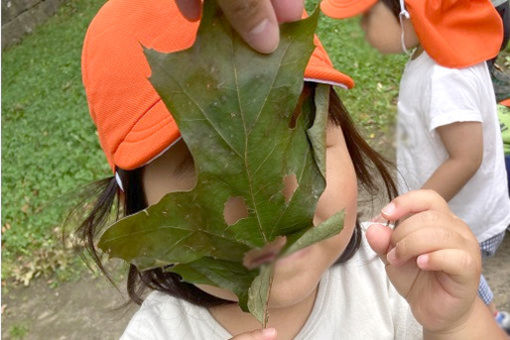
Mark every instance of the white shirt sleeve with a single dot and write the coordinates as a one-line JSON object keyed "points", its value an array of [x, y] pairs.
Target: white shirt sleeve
{"points": [[453, 97]]}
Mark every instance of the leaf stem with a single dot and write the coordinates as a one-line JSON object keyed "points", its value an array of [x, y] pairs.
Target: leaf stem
{"points": [[266, 312]]}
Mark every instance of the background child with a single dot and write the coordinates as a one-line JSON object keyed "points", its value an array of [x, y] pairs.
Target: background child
{"points": [[448, 137], [500, 79], [504, 121], [503, 317], [503, 9], [142, 145]]}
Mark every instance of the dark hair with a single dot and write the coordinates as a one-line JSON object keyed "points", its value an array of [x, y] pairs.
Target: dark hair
{"points": [[134, 200]]}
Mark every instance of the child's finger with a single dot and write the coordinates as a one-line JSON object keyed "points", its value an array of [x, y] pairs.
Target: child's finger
{"points": [[439, 230], [255, 21], [454, 262], [414, 202], [259, 334], [424, 219], [379, 237], [288, 10], [424, 240]]}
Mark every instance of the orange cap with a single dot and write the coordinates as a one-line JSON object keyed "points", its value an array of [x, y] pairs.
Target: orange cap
{"points": [[455, 33], [133, 124]]}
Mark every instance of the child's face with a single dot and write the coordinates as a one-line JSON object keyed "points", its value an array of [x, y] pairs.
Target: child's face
{"points": [[297, 275], [383, 31]]}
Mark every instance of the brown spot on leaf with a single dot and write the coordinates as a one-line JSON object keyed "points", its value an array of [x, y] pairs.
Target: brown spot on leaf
{"points": [[290, 185]]}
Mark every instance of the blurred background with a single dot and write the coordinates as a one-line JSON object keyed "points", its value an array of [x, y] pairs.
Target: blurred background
{"points": [[50, 152]]}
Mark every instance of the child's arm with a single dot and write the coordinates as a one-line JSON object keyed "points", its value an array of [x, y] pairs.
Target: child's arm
{"points": [[433, 260], [464, 144]]}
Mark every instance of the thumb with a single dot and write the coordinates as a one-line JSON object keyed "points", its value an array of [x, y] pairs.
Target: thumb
{"points": [[288, 10], [379, 237], [259, 334], [255, 21]]}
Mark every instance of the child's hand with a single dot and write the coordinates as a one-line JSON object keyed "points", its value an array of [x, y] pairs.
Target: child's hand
{"points": [[255, 20], [432, 259], [259, 334]]}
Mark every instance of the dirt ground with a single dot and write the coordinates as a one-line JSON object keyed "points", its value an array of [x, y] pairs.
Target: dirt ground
{"points": [[86, 309]]}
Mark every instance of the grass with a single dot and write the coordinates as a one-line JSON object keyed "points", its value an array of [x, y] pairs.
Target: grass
{"points": [[372, 102], [49, 144], [18, 331]]}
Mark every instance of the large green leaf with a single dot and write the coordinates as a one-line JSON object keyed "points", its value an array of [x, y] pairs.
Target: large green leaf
{"points": [[234, 108]]}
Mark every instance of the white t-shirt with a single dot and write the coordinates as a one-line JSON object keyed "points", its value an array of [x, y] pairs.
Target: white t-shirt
{"points": [[355, 300], [432, 96]]}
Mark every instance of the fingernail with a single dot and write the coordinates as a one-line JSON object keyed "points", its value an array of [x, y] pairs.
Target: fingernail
{"points": [[269, 333], [389, 209], [422, 260], [264, 37], [259, 28], [391, 256]]}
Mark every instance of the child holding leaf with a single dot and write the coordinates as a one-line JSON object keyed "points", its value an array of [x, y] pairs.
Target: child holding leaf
{"points": [[246, 213], [448, 137]]}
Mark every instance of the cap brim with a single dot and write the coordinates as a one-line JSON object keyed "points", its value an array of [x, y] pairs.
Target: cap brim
{"points": [[149, 137], [327, 75], [340, 9]]}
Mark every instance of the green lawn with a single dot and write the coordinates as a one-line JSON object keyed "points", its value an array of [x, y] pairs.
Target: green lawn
{"points": [[372, 101], [49, 145]]}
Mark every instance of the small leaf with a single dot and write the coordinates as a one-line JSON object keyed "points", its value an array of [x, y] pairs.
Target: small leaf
{"points": [[317, 133], [258, 294], [326, 229]]}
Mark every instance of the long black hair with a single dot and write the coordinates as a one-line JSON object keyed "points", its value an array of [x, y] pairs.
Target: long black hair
{"points": [[365, 161]]}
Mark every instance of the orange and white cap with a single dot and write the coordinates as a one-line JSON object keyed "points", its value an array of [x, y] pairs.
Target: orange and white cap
{"points": [[455, 33], [133, 124]]}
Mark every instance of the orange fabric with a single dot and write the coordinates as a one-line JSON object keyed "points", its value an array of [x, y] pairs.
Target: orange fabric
{"points": [[455, 33], [506, 102], [133, 124]]}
